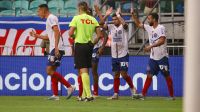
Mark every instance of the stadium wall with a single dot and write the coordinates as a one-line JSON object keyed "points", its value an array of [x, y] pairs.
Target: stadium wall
{"points": [[14, 32], [26, 75]]}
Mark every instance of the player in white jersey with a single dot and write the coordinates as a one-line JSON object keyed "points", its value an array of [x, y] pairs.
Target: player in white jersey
{"points": [[158, 47], [120, 54], [56, 50]]}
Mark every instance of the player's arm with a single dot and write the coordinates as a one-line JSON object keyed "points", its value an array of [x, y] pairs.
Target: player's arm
{"points": [[71, 31], [125, 25], [108, 12], [34, 34], [105, 36], [136, 20], [98, 32], [160, 42], [57, 38]]}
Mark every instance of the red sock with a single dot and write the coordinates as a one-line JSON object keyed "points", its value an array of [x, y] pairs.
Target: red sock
{"points": [[80, 85], [61, 79], [116, 85], [129, 81], [146, 85], [96, 86], [170, 86], [54, 85]]}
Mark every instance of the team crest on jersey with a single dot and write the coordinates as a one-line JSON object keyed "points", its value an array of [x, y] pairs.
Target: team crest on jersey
{"points": [[155, 35], [120, 32]]}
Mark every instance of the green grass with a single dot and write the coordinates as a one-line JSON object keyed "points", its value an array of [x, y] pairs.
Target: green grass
{"points": [[124, 104]]}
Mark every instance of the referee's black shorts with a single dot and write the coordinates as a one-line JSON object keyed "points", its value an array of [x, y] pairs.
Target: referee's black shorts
{"points": [[83, 55]]}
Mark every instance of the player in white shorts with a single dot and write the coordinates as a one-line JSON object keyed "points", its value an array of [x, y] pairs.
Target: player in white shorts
{"points": [[56, 50], [158, 61]]}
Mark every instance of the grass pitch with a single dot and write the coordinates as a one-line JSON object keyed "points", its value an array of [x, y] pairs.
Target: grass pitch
{"points": [[101, 104]]}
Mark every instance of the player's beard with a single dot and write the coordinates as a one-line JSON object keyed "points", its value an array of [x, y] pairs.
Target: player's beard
{"points": [[151, 24]]}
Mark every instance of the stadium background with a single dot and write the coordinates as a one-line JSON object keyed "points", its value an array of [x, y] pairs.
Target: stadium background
{"points": [[22, 60]]}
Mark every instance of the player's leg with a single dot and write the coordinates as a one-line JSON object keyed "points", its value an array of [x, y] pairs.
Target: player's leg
{"points": [[54, 82], [80, 84], [152, 69], [116, 86], [95, 79], [164, 68], [53, 63], [116, 72], [123, 70], [95, 62]]}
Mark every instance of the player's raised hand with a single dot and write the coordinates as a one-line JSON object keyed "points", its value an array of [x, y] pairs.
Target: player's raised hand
{"points": [[118, 11], [132, 11], [96, 8], [109, 11]]}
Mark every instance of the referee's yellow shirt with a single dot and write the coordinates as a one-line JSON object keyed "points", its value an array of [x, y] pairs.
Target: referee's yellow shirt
{"points": [[85, 27]]}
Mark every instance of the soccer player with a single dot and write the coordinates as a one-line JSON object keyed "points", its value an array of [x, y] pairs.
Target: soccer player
{"points": [[56, 51], [83, 26], [159, 57], [97, 52], [120, 54]]}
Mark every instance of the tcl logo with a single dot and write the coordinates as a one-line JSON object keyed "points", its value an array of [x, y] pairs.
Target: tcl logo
{"points": [[86, 21]]}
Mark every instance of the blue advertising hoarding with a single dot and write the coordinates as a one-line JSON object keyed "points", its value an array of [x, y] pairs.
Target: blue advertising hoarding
{"points": [[27, 76]]}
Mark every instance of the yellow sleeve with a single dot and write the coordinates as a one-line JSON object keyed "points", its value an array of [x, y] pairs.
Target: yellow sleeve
{"points": [[73, 22]]}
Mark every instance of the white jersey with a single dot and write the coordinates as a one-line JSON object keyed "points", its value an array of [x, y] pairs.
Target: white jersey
{"points": [[50, 22], [159, 52], [119, 41]]}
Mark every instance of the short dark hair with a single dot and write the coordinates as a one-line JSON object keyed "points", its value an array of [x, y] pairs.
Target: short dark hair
{"points": [[44, 6], [154, 16]]}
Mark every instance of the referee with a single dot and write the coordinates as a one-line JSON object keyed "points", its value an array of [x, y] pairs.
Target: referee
{"points": [[82, 27]]}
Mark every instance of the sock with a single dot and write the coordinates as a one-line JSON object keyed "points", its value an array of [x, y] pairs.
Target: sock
{"points": [[170, 86], [86, 84], [116, 85], [146, 85], [54, 85], [96, 86], [129, 81], [80, 85], [61, 79]]}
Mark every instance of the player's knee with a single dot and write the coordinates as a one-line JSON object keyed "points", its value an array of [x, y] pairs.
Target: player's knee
{"points": [[165, 73], [124, 74], [117, 75], [49, 71]]}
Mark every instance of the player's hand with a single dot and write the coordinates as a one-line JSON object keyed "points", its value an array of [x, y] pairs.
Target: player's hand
{"points": [[100, 51], [109, 11], [96, 7], [132, 11], [33, 34], [147, 48], [118, 12], [57, 53]]}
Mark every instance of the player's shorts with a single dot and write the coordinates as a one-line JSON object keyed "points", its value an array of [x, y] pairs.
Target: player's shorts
{"points": [[54, 61], [120, 64], [162, 65], [83, 55], [95, 56]]}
